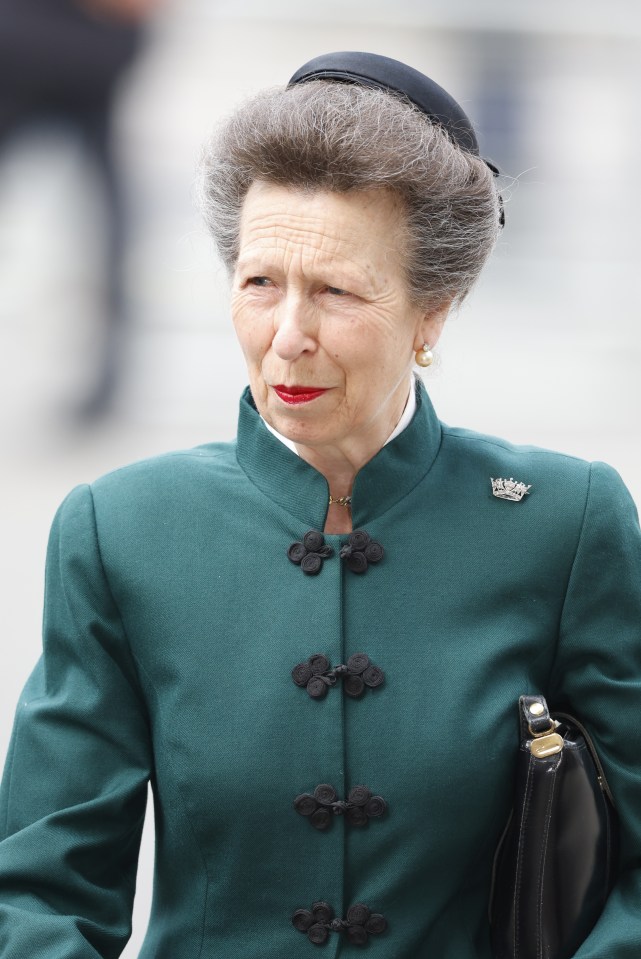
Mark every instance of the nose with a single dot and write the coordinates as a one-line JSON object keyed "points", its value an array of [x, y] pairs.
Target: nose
{"points": [[294, 328]]}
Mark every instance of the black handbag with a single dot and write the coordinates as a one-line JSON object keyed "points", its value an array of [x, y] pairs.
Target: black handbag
{"points": [[557, 858]]}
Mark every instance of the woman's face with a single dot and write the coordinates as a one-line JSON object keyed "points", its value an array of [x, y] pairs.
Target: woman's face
{"points": [[321, 310]]}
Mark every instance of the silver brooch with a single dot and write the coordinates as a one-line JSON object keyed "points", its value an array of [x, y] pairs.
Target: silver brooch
{"points": [[509, 489]]}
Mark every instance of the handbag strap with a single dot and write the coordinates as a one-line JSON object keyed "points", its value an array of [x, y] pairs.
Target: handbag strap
{"points": [[535, 716], [538, 729], [603, 782]]}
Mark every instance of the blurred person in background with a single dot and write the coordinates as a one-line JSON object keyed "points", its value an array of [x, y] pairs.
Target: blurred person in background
{"points": [[61, 62], [312, 640]]}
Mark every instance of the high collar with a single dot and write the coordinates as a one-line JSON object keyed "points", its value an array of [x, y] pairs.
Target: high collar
{"points": [[301, 490]]}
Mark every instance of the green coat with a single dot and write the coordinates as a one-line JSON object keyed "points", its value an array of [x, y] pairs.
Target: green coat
{"points": [[173, 620]]}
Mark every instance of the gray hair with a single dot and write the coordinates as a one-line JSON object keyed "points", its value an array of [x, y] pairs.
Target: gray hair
{"points": [[339, 137]]}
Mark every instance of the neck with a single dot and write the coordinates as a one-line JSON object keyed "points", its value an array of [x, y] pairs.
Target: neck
{"points": [[339, 467], [340, 462]]}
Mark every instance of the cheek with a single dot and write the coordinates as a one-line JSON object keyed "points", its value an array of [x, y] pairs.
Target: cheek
{"points": [[375, 365], [373, 352], [254, 333], [345, 341]]}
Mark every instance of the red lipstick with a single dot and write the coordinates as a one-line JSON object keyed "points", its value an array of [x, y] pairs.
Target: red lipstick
{"points": [[298, 394]]}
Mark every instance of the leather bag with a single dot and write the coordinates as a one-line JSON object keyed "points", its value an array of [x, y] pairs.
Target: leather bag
{"points": [[557, 858]]}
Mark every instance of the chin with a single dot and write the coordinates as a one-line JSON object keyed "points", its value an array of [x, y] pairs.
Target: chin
{"points": [[308, 431]]}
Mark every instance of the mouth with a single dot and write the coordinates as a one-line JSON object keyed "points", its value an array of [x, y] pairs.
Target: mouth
{"points": [[298, 394]]}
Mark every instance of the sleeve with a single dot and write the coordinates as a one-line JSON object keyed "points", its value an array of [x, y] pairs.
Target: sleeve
{"points": [[74, 791], [597, 676]]}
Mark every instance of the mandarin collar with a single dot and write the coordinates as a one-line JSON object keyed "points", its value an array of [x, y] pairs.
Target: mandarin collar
{"points": [[302, 491]]}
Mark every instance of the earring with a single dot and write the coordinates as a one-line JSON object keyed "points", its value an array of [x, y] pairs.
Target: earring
{"points": [[424, 356]]}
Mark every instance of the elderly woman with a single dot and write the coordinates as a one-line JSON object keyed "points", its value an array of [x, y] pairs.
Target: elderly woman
{"points": [[312, 640]]}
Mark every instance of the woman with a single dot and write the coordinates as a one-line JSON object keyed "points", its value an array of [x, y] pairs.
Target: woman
{"points": [[325, 718]]}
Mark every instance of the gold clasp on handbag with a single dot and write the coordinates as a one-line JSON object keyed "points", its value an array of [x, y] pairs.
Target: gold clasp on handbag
{"points": [[546, 743]]}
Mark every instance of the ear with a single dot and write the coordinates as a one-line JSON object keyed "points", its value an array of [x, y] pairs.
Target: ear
{"points": [[431, 326]]}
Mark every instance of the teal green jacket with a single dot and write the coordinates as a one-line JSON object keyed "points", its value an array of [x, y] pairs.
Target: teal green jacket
{"points": [[173, 620]]}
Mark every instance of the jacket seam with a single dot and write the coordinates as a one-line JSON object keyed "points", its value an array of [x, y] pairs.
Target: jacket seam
{"points": [[121, 621], [506, 446], [178, 792], [571, 573], [194, 453], [138, 667]]}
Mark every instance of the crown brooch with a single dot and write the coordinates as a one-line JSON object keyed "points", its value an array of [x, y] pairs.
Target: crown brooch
{"points": [[509, 489]]}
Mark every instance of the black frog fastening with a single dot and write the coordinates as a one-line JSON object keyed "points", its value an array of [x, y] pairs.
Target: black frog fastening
{"points": [[323, 804], [317, 675], [359, 924], [360, 550], [309, 554]]}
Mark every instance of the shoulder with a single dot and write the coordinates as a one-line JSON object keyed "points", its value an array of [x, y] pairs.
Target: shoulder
{"points": [[498, 453], [561, 486], [173, 472], [501, 457], [159, 485]]}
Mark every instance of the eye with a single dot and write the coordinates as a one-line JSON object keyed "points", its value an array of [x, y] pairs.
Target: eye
{"points": [[336, 291], [258, 281]]}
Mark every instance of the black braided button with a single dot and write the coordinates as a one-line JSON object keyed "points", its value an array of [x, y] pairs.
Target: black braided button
{"points": [[318, 664], [361, 672], [353, 686], [322, 912], [302, 919], [305, 804], [359, 795], [325, 794], [373, 676], [358, 663], [376, 924], [357, 935], [356, 816], [316, 675], [360, 550], [319, 921], [318, 934], [358, 915], [320, 807], [309, 554], [375, 807], [320, 819]]}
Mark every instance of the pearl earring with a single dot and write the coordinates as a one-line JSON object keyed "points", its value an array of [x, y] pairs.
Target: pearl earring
{"points": [[424, 356]]}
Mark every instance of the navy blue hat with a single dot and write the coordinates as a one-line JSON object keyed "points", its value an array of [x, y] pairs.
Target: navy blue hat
{"points": [[374, 70]]}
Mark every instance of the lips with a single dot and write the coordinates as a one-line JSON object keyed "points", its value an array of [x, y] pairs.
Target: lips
{"points": [[298, 394]]}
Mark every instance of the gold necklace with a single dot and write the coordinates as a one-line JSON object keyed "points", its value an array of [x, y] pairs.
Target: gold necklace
{"points": [[340, 500]]}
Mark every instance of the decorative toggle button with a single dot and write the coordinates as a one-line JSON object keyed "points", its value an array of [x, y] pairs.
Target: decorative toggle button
{"points": [[359, 924], [321, 806], [361, 550], [309, 554], [317, 676]]}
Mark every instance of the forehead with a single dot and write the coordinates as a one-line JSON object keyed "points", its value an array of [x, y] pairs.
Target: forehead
{"points": [[362, 228]]}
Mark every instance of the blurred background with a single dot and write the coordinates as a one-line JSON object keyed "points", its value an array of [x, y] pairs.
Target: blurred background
{"points": [[115, 341]]}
